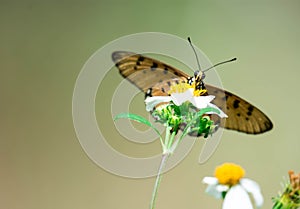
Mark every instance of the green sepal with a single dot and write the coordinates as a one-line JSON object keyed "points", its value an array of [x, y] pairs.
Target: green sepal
{"points": [[196, 117]]}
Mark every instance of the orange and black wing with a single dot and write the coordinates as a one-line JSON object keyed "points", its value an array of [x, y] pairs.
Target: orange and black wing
{"points": [[154, 78], [151, 76], [242, 116]]}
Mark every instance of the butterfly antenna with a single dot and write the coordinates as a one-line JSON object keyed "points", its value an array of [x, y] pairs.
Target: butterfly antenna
{"points": [[220, 63], [190, 41]]}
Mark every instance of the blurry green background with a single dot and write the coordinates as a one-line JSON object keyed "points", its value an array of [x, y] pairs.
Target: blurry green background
{"points": [[44, 45]]}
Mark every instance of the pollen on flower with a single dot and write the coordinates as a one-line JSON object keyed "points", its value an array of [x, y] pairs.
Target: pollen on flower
{"points": [[229, 173], [182, 87], [179, 88]]}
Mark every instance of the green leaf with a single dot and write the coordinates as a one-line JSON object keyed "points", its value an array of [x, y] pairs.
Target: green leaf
{"points": [[137, 118], [134, 117], [207, 109]]}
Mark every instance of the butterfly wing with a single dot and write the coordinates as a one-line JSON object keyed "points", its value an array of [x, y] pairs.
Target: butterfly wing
{"points": [[151, 76], [242, 116], [154, 78]]}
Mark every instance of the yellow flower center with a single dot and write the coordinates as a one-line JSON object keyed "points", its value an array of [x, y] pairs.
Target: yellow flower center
{"points": [[229, 173], [179, 88], [182, 87]]}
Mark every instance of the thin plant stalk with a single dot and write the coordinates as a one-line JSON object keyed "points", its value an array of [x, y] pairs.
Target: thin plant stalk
{"points": [[158, 179]]}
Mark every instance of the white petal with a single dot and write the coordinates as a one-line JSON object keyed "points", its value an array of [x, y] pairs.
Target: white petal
{"points": [[151, 102], [202, 101], [237, 198], [221, 114], [210, 180], [212, 190], [253, 188], [212, 186], [179, 98], [222, 188]]}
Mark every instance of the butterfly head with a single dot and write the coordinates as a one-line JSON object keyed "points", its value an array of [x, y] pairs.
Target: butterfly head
{"points": [[199, 76]]}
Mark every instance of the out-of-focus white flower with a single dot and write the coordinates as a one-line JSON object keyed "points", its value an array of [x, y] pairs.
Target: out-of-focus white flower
{"points": [[230, 185]]}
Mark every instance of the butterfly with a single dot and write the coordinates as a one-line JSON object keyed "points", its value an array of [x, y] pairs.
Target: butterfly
{"points": [[155, 78]]}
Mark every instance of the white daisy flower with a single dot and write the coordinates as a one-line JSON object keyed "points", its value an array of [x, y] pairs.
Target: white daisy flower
{"points": [[182, 94], [229, 184]]}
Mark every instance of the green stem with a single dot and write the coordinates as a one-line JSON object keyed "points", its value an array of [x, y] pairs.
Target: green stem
{"points": [[174, 145], [171, 141], [167, 138], [158, 179]]}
